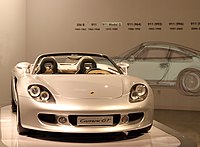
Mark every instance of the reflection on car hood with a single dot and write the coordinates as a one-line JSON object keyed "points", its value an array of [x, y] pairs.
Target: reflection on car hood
{"points": [[84, 86]]}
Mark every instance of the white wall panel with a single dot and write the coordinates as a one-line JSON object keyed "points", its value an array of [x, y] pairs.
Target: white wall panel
{"points": [[51, 24], [12, 42]]}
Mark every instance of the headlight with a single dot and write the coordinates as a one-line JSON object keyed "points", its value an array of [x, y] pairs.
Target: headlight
{"points": [[34, 91], [138, 93], [44, 96], [40, 94]]}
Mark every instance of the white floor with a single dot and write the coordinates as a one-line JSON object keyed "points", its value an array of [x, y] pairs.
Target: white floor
{"points": [[9, 137]]}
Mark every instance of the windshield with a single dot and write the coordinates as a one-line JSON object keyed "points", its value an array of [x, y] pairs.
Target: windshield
{"points": [[75, 64]]}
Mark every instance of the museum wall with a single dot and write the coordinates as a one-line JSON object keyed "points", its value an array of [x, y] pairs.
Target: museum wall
{"points": [[112, 27], [77, 25], [12, 42]]}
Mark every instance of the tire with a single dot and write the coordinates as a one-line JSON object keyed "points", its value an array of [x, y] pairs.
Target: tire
{"points": [[188, 82], [20, 129], [13, 104]]}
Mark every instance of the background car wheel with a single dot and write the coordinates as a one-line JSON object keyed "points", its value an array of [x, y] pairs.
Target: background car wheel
{"points": [[188, 82], [20, 129], [141, 131]]}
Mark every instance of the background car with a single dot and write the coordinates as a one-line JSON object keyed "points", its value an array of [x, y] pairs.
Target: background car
{"points": [[79, 93], [165, 64]]}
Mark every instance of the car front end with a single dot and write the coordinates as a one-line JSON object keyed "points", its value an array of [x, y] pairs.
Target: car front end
{"points": [[85, 103]]}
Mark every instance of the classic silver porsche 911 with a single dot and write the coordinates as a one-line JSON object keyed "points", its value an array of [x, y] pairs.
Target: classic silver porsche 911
{"points": [[79, 93]]}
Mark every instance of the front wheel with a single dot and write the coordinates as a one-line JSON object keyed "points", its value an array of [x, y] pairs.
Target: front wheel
{"points": [[13, 104], [188, 82], [20, 129]]}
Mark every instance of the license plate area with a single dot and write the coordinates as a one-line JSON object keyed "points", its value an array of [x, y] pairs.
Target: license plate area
{"points": [[95, 120]]}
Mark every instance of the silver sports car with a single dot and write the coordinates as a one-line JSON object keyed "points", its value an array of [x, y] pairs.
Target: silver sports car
{"points": [[79, 93]]}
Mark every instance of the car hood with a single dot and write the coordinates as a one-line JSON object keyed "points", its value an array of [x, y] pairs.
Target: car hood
{"points": [[84, 86]]}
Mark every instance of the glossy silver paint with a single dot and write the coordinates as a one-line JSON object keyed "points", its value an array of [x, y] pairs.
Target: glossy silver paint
{"points": [[94, 97]]}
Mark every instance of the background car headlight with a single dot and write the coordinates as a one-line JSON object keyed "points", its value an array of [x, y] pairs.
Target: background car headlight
{"points": [[40, 94], [138, 93]]}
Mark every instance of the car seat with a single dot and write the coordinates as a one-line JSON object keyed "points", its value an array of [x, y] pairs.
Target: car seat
{"points": [[48, 65], [85, 65]]}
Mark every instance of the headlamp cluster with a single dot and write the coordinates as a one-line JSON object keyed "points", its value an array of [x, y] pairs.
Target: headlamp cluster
{"points": [[138, 93], [40, 93]]}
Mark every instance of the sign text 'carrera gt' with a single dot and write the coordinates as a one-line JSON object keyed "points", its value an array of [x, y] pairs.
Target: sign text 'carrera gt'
{"points": [[95, 120]]}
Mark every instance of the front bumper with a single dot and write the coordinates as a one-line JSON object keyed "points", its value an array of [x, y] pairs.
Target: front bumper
{"points": [[34, 115]]}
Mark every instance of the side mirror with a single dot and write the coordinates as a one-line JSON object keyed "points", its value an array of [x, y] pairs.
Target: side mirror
{"points": [[23, 65], [124, 66]]}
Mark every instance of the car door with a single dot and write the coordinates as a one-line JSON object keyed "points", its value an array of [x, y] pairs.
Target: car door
{"points": [[150, 63]]}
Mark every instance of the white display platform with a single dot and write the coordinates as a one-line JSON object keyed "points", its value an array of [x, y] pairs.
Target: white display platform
{"points": [[158, 136]]}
